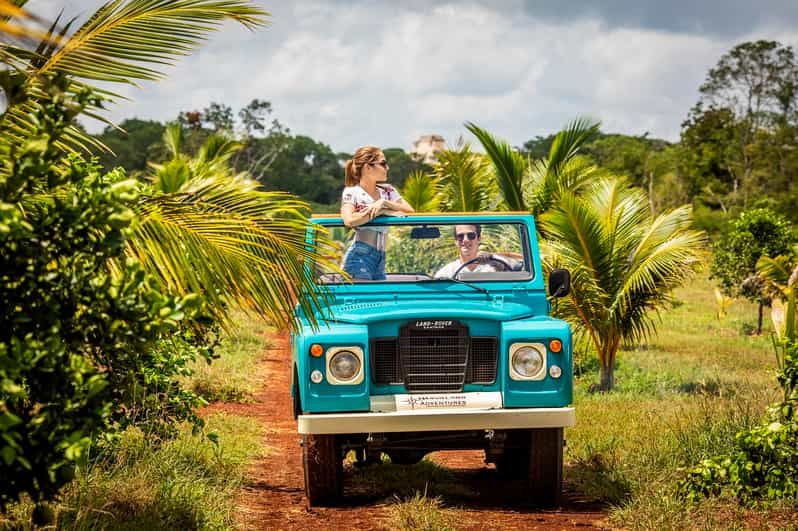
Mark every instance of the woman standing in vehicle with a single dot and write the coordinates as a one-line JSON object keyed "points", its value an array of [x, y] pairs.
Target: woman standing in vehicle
{"points": [[367, 195]]}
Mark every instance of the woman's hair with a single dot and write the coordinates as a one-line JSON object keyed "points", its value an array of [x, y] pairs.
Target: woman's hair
{"points": [[354, 166]]}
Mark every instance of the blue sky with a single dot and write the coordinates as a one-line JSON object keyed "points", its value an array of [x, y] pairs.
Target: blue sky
{"points": [[357, 72]]}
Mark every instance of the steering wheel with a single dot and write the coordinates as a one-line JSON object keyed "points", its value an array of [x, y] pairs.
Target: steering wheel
{"points": [[504, 263]]}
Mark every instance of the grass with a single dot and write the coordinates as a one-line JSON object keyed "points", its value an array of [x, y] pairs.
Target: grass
{"points": [[184, 483], [679, 398], [421, 513], [230, 378]]}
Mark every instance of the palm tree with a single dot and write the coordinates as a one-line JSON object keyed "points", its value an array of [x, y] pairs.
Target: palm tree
{"points": [[623, 262], [534, 186], [201, 228]]}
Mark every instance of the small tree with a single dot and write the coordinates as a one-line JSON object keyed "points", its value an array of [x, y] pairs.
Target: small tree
{"points": [[623, 261], [757, 232]]}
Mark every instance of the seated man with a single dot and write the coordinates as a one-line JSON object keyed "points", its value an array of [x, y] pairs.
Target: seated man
{"points": [[467, 238]]}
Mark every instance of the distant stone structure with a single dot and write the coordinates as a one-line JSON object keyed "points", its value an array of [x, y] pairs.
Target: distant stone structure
{"points": [[426, 148]]}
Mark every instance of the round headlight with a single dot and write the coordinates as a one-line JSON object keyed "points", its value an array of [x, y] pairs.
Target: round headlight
{"points": [[344, 365], [527, 361]]}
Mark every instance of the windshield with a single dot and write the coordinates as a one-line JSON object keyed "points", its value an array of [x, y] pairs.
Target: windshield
{"points": [[443, 252]]}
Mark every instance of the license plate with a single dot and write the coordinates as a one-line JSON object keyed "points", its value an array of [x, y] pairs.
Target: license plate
{"points": [[478, 400]]}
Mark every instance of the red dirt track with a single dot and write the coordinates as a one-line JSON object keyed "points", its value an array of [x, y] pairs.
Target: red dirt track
{"points": [[273, 496]]}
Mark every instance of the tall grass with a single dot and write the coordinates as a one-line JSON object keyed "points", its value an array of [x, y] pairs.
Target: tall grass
{"points": [[184, 483], [230, 378]]}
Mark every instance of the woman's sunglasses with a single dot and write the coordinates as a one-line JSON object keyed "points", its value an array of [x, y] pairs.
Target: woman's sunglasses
{"points": [[383, 163], [470, 235]]}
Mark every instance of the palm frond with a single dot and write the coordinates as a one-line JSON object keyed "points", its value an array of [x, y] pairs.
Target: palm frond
{"points": [[122, 37], [233, 243], [422, 192], [570, 141], [509, 166], [465, 180], [123, 42]]}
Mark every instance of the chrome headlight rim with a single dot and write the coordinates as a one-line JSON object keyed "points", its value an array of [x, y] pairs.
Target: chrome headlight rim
{"points": [[539, 349], [332, 377]]}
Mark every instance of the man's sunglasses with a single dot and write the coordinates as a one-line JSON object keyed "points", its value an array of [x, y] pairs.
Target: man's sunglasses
{"points": [[470, 235], [383, 163]]}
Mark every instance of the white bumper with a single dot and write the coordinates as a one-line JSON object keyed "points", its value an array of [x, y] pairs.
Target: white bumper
{"points": [[437, 420]]}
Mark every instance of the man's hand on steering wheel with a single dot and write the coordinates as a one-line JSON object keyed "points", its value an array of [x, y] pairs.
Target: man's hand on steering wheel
{"points": [[488, 258]]}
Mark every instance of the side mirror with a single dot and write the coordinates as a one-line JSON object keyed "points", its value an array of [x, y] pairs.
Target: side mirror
{"points": [[559, 283]]}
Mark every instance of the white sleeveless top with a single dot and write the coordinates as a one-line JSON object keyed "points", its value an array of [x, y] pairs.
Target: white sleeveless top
{"points": [[360, 199]]}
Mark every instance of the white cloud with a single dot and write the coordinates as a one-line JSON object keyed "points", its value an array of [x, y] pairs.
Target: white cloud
{"points": [[380, 72]]}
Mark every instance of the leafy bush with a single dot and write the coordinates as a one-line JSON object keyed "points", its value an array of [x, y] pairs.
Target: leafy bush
{"points": [[81, 329], [764, 463], [757, 232]]}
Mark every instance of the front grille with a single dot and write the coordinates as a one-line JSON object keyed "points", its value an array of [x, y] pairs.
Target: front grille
{"points": [[483, 359], [434, 360]]}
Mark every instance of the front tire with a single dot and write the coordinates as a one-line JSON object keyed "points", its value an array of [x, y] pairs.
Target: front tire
{"points": [[545, 466], [323, 464]]}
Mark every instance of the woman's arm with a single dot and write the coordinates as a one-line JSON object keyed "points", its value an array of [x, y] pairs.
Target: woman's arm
{"points": [[400, 206], [355, 219]]}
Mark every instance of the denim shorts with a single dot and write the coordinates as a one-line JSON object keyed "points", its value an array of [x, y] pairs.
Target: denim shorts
{"points": [[364, 262]]}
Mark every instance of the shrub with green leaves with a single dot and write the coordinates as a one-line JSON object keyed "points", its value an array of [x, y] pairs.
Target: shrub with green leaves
{"points": [[757, 232], [764, 463], [81, 329]]}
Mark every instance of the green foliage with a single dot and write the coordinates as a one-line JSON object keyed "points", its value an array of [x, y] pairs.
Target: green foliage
{"points": [[764, 462], [201, 225], [402, 166], [422, 192], [131, 147], [464, 177], [623, 262], [755, 233], [79, 343]]}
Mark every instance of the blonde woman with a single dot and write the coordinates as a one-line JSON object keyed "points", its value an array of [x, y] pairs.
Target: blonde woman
{"points": [[368, 195]]}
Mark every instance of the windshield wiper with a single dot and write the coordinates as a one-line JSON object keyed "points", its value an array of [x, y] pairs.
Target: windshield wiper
{"points": [[458, 281]]}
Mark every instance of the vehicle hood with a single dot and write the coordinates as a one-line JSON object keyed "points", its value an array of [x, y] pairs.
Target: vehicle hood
{"points": [[363, 312]]}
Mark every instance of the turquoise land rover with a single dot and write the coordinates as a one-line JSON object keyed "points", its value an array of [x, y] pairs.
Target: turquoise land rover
{"points": [[421, 361]]}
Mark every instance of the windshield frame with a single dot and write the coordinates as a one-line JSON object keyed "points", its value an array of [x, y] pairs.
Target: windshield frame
{"points": [[528, 242]]}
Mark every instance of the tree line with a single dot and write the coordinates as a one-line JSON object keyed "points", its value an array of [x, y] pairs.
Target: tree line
{"points": [[738, 146]]}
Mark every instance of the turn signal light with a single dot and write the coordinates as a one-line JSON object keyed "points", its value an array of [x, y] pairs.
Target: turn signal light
{"points": [[555, 345], [316, 351]]}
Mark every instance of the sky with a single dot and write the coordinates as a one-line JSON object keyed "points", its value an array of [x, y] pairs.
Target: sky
{"points": [[370, 72]]}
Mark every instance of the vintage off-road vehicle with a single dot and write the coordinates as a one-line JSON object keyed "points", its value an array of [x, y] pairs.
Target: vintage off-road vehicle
{"points": [[415, 363]]}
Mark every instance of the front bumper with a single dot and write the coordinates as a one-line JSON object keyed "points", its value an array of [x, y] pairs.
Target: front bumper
{"points": [[437, 420]]}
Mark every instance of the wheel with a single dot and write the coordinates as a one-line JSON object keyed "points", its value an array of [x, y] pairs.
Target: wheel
{"points": [[406, 457], [514, 460], [323, 465], [545, 466]]}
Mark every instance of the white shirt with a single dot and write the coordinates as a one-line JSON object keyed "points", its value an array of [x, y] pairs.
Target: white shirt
{"points": [[451, 268], [360, 199]]}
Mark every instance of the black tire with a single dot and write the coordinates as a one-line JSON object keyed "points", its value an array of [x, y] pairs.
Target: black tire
{"points": [[406, 457], [545, 466], [514, 460], [323, 465]]}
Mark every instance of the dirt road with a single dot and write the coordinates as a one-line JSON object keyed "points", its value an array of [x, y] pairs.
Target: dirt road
{"points": [[273, 497]]}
